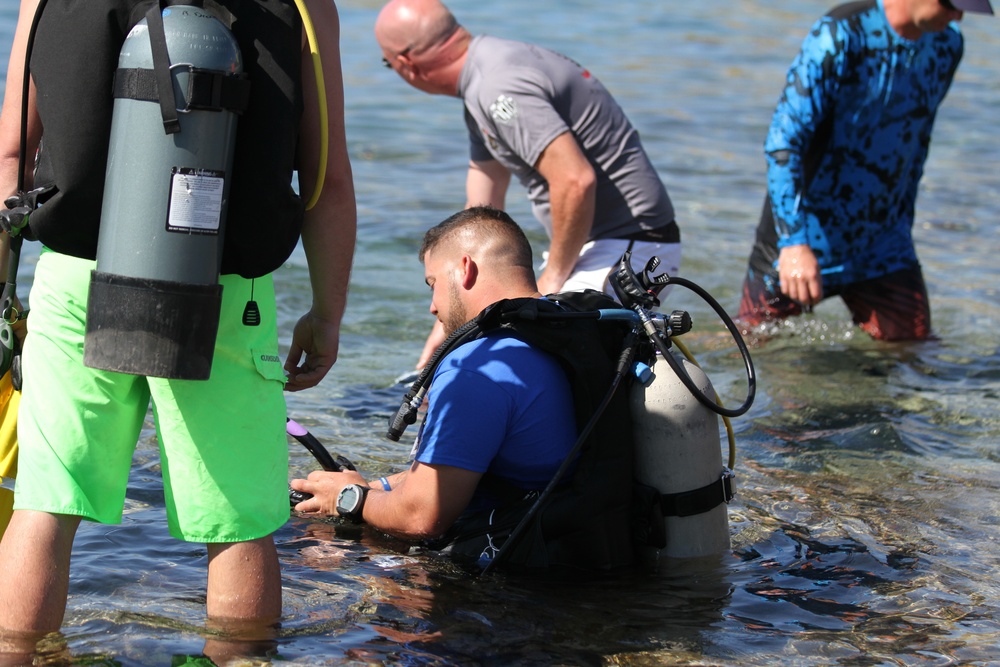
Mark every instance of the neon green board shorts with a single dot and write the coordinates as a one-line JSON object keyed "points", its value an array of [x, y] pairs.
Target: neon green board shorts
{"points": [[223, 448]]}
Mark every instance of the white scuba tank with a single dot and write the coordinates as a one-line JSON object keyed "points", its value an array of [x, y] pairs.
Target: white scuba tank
{"points": [[155, 296], [677, 449]]}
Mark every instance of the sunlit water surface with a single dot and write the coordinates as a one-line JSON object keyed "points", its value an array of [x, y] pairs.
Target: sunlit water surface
{"points": [[865, 528]]}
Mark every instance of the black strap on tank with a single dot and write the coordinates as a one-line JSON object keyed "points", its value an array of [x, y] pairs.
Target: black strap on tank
{"points": [[161, 68], [208, 90], [698, 501]]}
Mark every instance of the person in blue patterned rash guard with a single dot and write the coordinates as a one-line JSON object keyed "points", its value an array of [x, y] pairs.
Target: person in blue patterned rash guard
{"points": [[845, 154]]}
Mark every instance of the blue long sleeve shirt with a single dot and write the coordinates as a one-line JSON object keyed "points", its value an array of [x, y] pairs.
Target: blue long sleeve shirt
{"points": [[849, 137]]}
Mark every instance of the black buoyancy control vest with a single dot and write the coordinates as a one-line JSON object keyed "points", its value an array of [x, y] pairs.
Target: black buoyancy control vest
{"points": [[586, 523], [73, 65]]}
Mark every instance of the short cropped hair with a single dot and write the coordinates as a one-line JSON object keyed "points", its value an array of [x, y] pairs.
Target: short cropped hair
{"points": [[483, 225]]}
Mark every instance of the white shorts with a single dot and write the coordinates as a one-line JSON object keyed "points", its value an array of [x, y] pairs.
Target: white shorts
{"points": [[598, 259]]}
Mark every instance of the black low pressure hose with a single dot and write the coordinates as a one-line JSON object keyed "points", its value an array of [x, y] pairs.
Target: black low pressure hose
{"points": [[329, 462], [25, 91], [406, 414], [710, 401]]}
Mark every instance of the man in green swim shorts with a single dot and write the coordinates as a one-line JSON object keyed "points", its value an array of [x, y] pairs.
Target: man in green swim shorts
{"points": [[223, 449]]}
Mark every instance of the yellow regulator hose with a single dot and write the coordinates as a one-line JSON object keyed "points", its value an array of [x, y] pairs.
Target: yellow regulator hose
{"points": [[324, 131]]}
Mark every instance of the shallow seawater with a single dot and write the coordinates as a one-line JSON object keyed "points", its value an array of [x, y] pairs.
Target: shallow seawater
{"points": [[865, 527]]}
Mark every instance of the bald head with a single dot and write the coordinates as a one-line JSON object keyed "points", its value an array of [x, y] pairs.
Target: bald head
{"points": [[423, 43], [413, 25]]}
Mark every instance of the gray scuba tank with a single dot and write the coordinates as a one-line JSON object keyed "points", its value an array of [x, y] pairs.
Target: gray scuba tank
{"points": [[155, 297]]}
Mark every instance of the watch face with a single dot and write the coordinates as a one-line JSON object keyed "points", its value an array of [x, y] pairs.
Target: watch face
{"points": [[349, 499]]}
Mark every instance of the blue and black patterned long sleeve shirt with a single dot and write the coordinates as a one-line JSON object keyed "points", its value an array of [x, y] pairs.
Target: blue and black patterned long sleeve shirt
{"points": [[848, 140]]}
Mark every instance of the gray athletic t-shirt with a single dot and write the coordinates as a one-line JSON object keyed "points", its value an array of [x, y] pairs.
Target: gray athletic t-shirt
{"points": [[519, 97]]}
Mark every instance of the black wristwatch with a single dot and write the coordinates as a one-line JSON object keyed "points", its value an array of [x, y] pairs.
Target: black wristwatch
{"points": [[350, 502]]}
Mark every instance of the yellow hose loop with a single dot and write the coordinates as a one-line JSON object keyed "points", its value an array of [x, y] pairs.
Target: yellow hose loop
{"points": [[324, 130]]}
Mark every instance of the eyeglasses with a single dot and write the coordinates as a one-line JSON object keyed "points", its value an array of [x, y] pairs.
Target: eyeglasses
{"points": [[385, 61]]}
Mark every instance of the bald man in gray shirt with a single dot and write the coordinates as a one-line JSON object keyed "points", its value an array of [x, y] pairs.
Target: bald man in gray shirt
{"points": [[544, 118]]}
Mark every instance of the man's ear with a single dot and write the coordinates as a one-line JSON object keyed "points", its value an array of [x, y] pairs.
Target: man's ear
{"points": [[409, 69], [468, 272]]}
